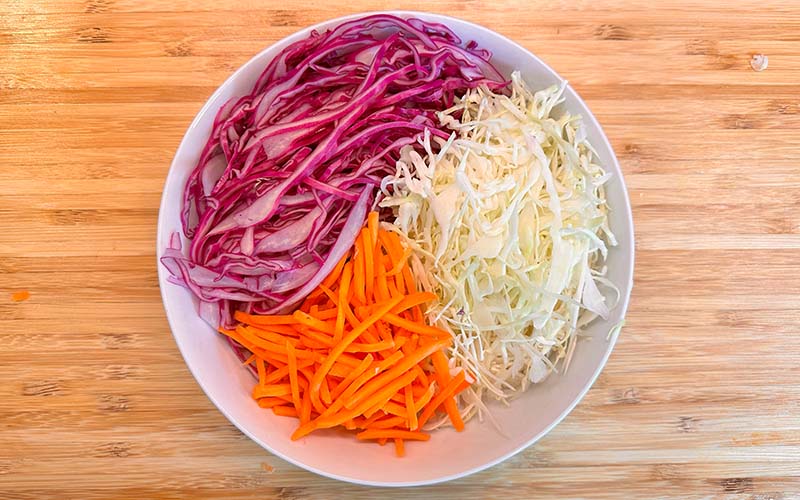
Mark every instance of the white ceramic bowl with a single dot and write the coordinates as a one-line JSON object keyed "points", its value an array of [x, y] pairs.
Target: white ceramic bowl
{"points": [[448, 455]]}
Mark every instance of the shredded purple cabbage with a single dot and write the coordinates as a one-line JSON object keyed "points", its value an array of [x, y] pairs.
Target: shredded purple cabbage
{"points": [[290, 170]]}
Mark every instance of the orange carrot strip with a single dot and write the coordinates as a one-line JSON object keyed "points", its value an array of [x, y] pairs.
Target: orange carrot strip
{"points": [[325, 314], [445, 394], [344, 287], [386, 423], [312, 322], [388, 407], [368, 422], [413, 300], [418, 391], [278, 352], [347, 359], [399, 448], [391, 242], [308, 343], [283, 371], [20, 296], [372, 224], [262, 353], [359, 422], [316, 401], [377, 346], [270, 402], [399, 282], [400, 341], [464, 386], [443, 376], [359, 273], [305, 408], [293, 384], [319, 339], [269, 335], [413, 326], [393, 433], [408, 280], [325, 392], [410, 410], [340, 370], [284, 411], [369, 263], [249, 360], [305, 428], [423, 379], [382, 289], [283, 330], [393, 245], [261, 369], [392, 408], [392, 287], [271, 390]]}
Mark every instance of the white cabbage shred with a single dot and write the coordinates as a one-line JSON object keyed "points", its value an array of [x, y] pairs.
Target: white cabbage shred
{"points": [[508, 222]]}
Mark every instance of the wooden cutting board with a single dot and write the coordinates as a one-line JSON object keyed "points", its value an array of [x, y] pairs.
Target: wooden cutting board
{"points": [[699, 399]]}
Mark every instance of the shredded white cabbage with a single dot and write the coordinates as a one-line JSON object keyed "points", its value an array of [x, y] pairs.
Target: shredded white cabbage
{"points": [[508, 223]]}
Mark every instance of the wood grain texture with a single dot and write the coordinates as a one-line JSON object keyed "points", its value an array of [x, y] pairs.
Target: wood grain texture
{"points": [[701, 398]]}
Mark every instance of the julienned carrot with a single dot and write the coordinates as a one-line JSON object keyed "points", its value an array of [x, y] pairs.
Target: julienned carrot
{"points": [[270, 402], [357, 353], [372, 224], [344, 287], [393, 433], [293, 383], [444, 395], [411, 411], [369, 264], [284, 411], [399, 448], [263, 391], [386, 423], [413, 326], [443, 375]]}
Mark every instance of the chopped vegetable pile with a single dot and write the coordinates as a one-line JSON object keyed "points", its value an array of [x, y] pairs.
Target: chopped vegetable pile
{"points": [[489, 200], [270, 207], [357, 353], [508, 221]]}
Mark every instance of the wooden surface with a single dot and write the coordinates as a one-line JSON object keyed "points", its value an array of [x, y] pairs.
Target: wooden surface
{"points": [[700, 398]]}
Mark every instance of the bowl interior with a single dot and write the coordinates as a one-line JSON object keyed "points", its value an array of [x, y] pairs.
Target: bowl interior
{"points": [[449, 454]]}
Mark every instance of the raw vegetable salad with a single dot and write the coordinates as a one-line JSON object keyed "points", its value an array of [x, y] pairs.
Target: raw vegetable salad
{"points": [[390, 233]]}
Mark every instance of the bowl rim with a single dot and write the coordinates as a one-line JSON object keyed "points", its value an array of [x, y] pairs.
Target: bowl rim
{"points": [[623, 205]]}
